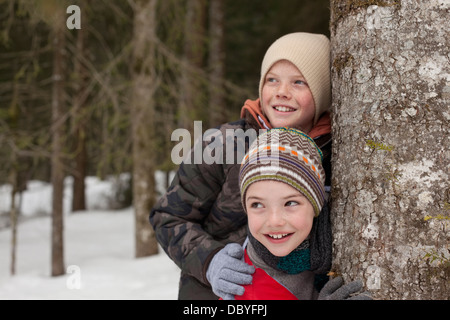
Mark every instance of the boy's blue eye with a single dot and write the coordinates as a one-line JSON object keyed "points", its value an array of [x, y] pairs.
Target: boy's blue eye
{"points": [[300, 82], [271, 80]]}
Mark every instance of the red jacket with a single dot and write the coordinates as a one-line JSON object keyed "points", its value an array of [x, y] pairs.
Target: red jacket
{"points": [[264, 287]]}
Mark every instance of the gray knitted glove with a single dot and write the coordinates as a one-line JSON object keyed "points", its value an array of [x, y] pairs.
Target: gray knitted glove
{"points": [[335, 290], [227, 272]]}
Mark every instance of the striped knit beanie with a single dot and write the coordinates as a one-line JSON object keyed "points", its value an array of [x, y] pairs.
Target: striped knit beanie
{"points": [[310, 53], [287, 155]]}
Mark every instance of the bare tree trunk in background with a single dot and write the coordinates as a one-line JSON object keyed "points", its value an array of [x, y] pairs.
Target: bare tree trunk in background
{"points": [[13, 211], [218, 112], [79, 116], [391, 146], [57, 133], [194, 51], [145, 83]]}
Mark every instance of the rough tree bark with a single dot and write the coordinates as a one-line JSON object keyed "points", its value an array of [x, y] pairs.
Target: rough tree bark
{"points": [[391, 146], [145, 83]]}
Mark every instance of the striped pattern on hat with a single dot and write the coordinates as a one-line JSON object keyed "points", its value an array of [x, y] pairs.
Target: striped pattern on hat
{"points": [[286, 155]]}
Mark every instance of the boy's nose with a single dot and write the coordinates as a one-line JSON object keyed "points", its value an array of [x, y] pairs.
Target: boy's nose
{"points": [[276, 218], [283, 91]]}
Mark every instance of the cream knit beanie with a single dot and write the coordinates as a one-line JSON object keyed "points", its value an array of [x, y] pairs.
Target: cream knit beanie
{"points": [[310, 53]]}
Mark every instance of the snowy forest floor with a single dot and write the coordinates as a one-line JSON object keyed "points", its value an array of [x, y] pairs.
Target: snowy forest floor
{"points": [[98, 250]]}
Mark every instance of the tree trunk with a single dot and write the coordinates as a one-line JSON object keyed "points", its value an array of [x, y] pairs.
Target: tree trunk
{"points": [[216, 62], [13, 174], [191, 93], [145, 83], [57, 132], [391, 158], [79, 119]]}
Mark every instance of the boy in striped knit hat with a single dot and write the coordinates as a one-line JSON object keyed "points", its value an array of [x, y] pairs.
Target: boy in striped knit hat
{"points": [[282, 191]]}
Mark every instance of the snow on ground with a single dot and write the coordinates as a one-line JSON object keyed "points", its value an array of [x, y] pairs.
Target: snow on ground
{"points": [[98, 250]]}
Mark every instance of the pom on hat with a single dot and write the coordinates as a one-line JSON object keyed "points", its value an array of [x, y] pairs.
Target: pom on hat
{"points": [[286, 155], [310, 53]]}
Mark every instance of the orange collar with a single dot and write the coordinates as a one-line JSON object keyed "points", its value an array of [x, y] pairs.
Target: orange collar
{"points": [[323, 126]]}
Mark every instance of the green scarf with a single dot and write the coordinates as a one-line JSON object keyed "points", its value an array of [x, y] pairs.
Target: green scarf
{"points": [[297, 261]]}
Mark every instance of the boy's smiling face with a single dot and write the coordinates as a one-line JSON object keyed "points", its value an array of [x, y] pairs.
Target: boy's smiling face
{"points": [[279, 216], [286, 99]]}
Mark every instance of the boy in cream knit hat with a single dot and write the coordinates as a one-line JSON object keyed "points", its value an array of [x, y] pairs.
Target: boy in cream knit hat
{"points": [[309, 54], [295, 87], [201, 214]]}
